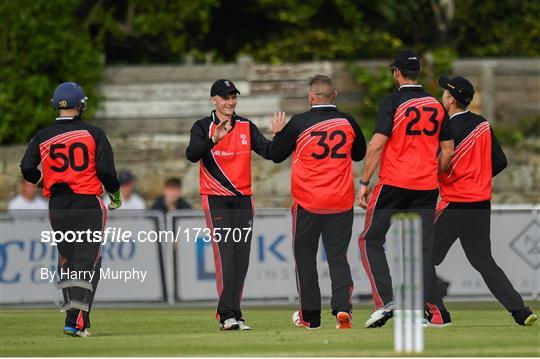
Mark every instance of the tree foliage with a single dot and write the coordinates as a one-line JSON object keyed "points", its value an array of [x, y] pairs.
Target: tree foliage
{"points": [[497, 28], [42, 45], [44, 42], [349, 29], [148, 31]]}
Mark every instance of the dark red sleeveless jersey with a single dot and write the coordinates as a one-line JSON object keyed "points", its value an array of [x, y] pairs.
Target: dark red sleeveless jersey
{"points": [[415, 122], [225, 168], [73, 153], [477, 158], [323, 142]]}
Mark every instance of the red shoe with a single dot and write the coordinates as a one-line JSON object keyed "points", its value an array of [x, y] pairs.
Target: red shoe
{"points": [[436, 317]]}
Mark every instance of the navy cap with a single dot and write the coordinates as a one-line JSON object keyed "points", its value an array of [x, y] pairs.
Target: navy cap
{"points": [[223, 88], [406, 60], [68, 95], [126, 176], [459, 87]]}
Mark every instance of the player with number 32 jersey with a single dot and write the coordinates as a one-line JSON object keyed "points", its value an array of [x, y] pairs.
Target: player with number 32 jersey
{"points": [[323, 142]]}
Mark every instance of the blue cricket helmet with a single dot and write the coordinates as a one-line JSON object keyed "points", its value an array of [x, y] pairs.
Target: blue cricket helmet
{"points": [[69, 95]]}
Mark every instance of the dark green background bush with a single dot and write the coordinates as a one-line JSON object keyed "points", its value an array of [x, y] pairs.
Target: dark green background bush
{"points": [[45, 42]]}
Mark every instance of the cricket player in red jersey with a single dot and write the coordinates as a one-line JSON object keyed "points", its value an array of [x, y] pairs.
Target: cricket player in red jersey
{"points": [[76, 162], [409, 131], [324, 141], [464, 211], [223, 142]]}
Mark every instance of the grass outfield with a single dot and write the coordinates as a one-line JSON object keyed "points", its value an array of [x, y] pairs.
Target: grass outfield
{"points": [[479, 329]]}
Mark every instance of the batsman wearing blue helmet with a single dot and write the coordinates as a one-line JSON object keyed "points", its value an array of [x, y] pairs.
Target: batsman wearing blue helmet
{"points": [[76, 164]]}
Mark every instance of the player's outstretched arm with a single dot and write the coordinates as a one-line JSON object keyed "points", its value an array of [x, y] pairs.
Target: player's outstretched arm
{"points": [[285, 138], [278, 122], [259, 143]]}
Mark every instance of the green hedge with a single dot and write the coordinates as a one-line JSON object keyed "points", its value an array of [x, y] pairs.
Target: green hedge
{"points": [[43, 45]]}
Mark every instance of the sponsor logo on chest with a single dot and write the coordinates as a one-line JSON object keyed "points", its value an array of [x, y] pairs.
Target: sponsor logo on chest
{"points": [[223, 153], [243, 139]]}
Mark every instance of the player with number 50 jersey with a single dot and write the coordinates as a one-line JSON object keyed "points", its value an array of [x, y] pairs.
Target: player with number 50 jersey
{"points": [[76, 163]]}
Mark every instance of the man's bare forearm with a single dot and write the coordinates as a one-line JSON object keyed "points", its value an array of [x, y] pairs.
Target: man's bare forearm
{"points": [[373, 158]]}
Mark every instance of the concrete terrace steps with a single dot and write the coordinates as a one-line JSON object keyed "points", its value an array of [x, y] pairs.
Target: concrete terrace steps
{"points": [[172, 73], [209, 73], [169, 98], [173, 107], [164, 91], [185, 108], [135, 126]]}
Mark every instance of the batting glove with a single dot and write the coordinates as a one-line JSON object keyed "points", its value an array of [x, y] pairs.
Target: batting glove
{"points": [[116, 200]]}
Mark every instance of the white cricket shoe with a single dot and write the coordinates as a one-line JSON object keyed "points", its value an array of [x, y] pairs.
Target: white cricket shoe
{"points": [[242, 325], [84, 333], [298, 322], [380, 316], [74, 332], [229, 324], [296, 319]]}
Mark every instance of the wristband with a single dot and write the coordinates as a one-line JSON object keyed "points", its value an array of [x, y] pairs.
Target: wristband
{"points": [[364, 183]]}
